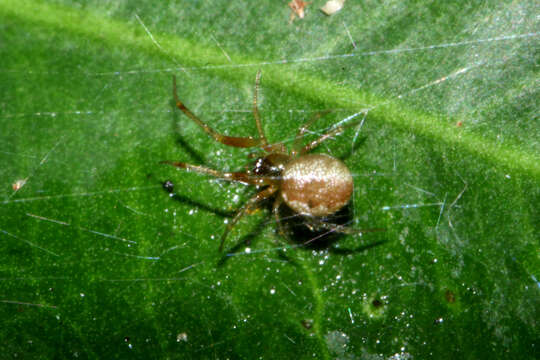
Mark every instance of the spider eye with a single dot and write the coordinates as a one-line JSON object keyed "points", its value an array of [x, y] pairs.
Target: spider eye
{"points": [[264, 167]]}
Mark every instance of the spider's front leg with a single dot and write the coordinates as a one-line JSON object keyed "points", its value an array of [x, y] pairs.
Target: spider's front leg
{"points": [[242, 142], [239, 176]]}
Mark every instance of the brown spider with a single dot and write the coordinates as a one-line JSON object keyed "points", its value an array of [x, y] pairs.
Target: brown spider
{"points": [[312, 185]]}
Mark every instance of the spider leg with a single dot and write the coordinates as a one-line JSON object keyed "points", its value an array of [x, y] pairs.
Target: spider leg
{"points": [[240, 176], [275, 211], [331, 133], [269, 148], [342, 229], [312, 145], [264, 194], [243, 142], [303, 129], [350, 231]]}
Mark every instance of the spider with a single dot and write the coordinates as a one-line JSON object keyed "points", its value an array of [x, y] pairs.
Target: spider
{"points": [[314, 186]]}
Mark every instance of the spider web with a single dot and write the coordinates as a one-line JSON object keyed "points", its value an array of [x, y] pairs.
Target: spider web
{"points": [[443, 152]]}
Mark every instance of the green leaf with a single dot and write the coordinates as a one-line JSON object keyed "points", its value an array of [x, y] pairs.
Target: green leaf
{"points": [[100, 261]]}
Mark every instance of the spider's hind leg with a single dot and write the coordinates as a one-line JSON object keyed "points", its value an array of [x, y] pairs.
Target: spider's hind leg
{"points": [[327, 228], [334, 131]]}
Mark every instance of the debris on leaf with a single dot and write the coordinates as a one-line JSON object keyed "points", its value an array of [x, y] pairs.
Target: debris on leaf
{"points": [[332, 6], [17, 185], [182, 337], [307, 323], [297, 9]]}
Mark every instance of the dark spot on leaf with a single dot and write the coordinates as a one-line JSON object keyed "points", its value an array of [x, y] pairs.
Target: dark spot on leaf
{"points": [[438, 321], [168, 186], [307, 323], [450, 296]]}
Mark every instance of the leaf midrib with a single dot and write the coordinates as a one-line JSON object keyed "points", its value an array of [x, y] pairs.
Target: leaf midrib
{"points": [[315, 90]]}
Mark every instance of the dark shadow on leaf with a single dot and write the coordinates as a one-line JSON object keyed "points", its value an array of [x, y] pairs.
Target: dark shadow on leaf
{"points": [[185, 200], [325, 239], [177, 120], [340, 251], [197, 158], [359, 142], [168, 186], [241, 243]]}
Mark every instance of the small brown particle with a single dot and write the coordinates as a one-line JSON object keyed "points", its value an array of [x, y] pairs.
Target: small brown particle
{"points": [[450, 296], [297, 9]]}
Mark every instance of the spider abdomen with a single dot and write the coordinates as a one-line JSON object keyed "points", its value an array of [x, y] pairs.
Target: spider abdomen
{"points": [[316, 184]]}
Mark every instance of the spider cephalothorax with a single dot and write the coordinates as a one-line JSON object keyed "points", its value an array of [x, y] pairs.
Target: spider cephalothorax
{"points": [[312, 185]]}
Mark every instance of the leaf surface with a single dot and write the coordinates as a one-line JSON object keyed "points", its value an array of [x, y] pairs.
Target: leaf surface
{"points": [[100, 261]]}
